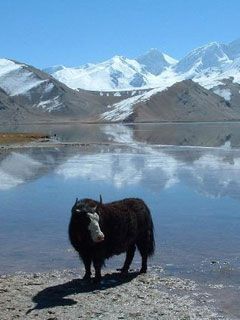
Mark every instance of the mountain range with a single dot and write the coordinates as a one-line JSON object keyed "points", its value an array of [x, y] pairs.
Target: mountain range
{"points": [[130, 90], [206, 65]]}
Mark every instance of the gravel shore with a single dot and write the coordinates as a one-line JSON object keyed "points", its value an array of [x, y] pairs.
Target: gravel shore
{"points": [[63, 295]]}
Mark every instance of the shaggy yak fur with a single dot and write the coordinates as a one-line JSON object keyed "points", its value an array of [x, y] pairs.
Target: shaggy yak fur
{"points": [[124, 225]]}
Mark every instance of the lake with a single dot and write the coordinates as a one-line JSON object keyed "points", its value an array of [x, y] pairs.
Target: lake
{"points": [[193, 193]]}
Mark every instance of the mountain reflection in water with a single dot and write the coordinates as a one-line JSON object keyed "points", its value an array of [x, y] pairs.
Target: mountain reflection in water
{"points": [[212, 172]]}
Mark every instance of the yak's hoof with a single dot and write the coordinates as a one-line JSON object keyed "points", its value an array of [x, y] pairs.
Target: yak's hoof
{"points": [[143, 270], [97, 280], [124, 273], [87, 277]]}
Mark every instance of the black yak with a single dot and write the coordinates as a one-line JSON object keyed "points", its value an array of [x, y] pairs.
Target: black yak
{"points": [[98, 231]]}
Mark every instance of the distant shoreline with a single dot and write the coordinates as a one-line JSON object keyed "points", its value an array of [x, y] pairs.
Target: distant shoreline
{"points": [[67, 122]]}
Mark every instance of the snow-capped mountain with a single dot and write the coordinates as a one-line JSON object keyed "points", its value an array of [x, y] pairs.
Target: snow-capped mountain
{"points": [[116, 73], [31, 88], [26, 93], [211, 56], [156, 62], [113, 89], [17, 79], [207, 65]]}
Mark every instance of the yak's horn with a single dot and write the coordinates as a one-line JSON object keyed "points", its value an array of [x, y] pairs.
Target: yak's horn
{"points": [[100, 199], [76, 201]]}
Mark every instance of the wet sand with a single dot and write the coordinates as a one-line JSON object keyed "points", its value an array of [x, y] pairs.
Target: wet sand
{"points": [[62, 295]]}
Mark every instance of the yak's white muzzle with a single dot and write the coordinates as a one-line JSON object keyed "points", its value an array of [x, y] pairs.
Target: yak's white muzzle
{"points": [[94, 228]]}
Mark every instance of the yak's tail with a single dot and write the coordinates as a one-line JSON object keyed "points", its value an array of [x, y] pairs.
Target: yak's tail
{"points": [[151, 246], [151, 241]]}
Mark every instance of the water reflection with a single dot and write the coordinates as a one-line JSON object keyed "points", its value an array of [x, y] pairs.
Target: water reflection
{"points": [[214, 173], [122, 169], [16, 168], [192, 193]]}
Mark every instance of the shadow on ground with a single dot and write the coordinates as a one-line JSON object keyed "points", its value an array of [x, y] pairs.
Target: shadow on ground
{"points": [[56, 295]]}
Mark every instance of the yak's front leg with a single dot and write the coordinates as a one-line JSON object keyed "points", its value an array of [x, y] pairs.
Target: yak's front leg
{"points": [[87, 264], [97, 263]]}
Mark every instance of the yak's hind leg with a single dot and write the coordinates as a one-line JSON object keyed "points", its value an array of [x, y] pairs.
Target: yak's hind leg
{"points": [[129, 259], [144, 254], [87, 264]]}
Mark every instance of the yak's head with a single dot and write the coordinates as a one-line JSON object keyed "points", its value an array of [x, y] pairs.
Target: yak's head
{"points": [[88, 219]]}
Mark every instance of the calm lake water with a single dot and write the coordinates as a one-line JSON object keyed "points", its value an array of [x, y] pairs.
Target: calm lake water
{"points": [[193, 194]]}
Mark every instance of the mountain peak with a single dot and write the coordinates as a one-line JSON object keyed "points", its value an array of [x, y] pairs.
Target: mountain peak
{"points": [[153, 51], [118, 58], [234, 49], [208, 47], [155, 61], [211, 55]]}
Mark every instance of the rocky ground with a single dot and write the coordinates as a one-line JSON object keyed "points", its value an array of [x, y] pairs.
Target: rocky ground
{"points": [[62, 295]]}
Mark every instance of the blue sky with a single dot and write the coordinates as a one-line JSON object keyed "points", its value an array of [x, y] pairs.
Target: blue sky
{"points": [[74, 32]]}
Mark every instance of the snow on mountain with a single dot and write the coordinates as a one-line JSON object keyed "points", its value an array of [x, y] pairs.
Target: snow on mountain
{"points": [[210, 56], [123, 109], [225, 93], [214, 77], [207, 65], [170, 60], [210, 65], [229, 89], [183, 101], [116, 73], [30, 92], [156, 62], [29, 85], [233, 70], [15, 79]]}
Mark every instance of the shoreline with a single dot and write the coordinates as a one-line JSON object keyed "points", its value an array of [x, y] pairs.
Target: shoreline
{"points": [[63, 295], [72, 121], [52, 143]]}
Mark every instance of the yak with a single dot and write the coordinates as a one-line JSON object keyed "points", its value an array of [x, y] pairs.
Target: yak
{"points": [[98, 231]]}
